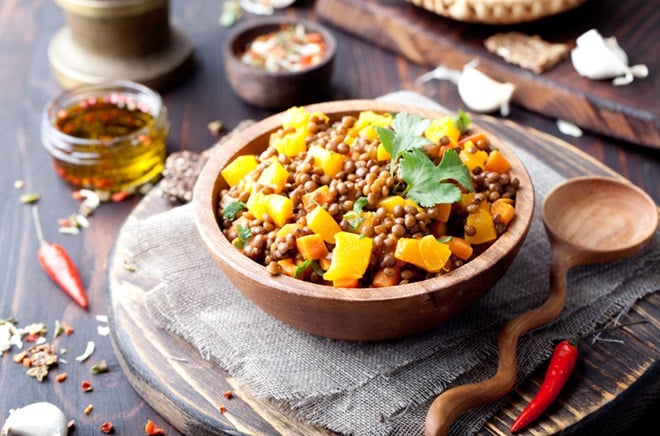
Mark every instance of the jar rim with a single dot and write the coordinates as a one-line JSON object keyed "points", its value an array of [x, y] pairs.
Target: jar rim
{"points": [[78, 94]]}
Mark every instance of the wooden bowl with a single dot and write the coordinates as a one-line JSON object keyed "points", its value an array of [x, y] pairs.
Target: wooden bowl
{"points": [[362, 314], [274, 90]]}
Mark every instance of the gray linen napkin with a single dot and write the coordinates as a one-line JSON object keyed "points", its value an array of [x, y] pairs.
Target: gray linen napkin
{"points": [[373, 388]]}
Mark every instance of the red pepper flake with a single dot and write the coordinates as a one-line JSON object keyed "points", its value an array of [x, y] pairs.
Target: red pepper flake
{"points": [[27, 362], [86, 386], [31, 337], [228, 395], [222, 409], [68, 330], [60, 377], [77, 195], [119, 196], [152, 429], [19, 357], [107, 427]]}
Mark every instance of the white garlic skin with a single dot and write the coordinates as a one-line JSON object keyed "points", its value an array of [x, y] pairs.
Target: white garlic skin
{"points": [[483, 94], [597, 58], [36, 419]]}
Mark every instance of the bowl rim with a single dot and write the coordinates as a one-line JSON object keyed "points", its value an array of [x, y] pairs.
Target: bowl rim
{"points": [[272, 22], [208, 185]]}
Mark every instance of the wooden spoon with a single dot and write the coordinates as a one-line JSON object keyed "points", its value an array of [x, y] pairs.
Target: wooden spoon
{"points": [[587, 220]]}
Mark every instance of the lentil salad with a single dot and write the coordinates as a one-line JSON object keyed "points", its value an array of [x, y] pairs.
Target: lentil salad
{"points": [[333, 201]]}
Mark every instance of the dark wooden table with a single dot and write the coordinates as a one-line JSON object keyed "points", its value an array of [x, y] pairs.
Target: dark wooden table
{"points": [[27, 294]]}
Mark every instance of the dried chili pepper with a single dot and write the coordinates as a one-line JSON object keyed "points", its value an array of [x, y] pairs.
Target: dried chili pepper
{"points": [[58, 264], [152, 429], [562, 363]]}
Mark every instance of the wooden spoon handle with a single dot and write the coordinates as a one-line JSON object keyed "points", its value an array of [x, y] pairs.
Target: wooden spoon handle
{"points": [[450, 404]]}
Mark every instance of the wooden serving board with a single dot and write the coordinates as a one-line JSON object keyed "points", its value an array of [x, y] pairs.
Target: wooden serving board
{"points": [[187, 390], [630, 113]]}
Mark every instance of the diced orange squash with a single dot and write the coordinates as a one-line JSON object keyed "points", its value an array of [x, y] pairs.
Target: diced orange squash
{"points": [[407, 250], [441, 127], [296, 117], [320, 195], [290, 144], [473, 160], [274, 176], [437, 228], [238, 169], [435, 254], [367, 121], [288, 267], [287, 229], [466, 199], [444, 211], [504, 209], [382, 280], [390, 202], [324, 263], [256, 205], [329, 161], [497, 162], [482, 221], [382, 154], [311, 247], [460, 248], [279, 208], [350, 257], [321, 222]]}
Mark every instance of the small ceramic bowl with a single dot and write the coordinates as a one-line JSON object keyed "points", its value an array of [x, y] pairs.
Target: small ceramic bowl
{"points": [[277, 89], [358, 314]]}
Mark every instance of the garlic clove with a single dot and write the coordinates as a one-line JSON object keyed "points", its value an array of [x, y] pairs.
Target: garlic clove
{"points": [[36, 419], [483, 94], [595, 57]]}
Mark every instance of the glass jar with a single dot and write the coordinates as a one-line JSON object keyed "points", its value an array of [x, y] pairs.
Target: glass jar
{"points": [[107, 137]]}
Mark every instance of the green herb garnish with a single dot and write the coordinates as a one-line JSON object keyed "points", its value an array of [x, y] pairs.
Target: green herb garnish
{"points": [[300, 269], [231, 210], [462, 121], [425, 180], [406, 134], [244, 235], [353, 217]]}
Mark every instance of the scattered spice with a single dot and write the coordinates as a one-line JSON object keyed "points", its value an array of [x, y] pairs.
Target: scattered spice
{"points": [[152, 429], [40, 358], [215, 127], [19, 184], [88, 409], [107, 427], [61, 377], [228, 395], [30, 198], [222, 409], [99, 368], [59, 266], [231, 13], [291, 48], [86, 386]]}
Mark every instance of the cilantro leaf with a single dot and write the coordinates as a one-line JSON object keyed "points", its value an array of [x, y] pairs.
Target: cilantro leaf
{"points": [[231, 210], [462, 121], [301, 268], [425, 180], [244, 235], [407, 133], [354, 217]]}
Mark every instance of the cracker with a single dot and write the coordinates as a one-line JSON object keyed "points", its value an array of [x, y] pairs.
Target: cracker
{"points": [[529, 52]]}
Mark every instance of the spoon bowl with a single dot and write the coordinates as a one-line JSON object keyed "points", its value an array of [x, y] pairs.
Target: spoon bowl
{"points": [[587, 220]]}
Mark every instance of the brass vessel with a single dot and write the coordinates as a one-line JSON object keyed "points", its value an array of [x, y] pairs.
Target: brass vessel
{"points": [[118, 39]]}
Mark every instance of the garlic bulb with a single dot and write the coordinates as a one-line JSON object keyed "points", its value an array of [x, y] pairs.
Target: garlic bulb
{"points": [[36, 419], [264, 7], [483, 94], [597, 58]]}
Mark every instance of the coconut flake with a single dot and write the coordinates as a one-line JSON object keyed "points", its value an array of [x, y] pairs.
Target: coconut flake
{"points": [[568, 128], [88, 352]]}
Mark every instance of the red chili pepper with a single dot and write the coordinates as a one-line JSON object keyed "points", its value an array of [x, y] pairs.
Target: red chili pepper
{"points": [[561, 366], [56, 262]]}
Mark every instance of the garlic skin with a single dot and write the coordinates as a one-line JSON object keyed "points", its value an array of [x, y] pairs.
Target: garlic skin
{"points": [[36, 419], [483, 94], [598, 58]]}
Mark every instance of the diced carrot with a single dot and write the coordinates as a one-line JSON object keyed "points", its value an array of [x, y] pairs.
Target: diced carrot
{"points": [[444, 210], [312, 246], [504, 209], [382, 280], [460, 248], [437, 228], [288, 267], [320, 195], [497, 163], [479, 140], [345, 282]]}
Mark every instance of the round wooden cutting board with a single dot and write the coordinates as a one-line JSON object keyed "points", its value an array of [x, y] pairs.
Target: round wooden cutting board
{"points": [[607, 392]]}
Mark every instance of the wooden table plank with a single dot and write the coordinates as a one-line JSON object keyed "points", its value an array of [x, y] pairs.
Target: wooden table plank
{"points": [[629, 112]]}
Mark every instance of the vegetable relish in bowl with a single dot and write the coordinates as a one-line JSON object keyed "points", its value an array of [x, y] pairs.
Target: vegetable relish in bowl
{"points": [[369, 200]]}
